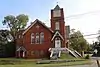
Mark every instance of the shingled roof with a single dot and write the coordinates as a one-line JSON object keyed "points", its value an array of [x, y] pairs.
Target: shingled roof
{"points": [[35, 23]]}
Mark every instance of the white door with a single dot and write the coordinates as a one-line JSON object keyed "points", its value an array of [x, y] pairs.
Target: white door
{"points": [[57, 43]]}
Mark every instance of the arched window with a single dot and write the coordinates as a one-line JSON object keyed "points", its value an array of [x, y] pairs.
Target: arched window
{"points": [[41, 37], [57, 26], [32, 38], [37, 38]]}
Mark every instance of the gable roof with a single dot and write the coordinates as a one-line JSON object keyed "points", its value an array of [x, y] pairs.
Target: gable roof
{"points": [[35, 23], [21, 48], [57, 35]]}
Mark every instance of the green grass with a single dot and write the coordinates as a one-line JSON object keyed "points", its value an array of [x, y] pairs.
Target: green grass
{"points": [[66, 56], [46, 65], [13, 62], [66, 64]]}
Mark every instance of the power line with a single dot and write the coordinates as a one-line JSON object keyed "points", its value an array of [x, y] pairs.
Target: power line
{"points": [[78, 15], [92, 34], [82, 14], [83, 36], [91, 38]]}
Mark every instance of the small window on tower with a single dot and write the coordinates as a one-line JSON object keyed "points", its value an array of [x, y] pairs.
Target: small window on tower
{"points": [[56, 13], [57, 26]]}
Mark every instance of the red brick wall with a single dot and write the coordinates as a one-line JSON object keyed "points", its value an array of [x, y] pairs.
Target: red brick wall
{"points": [[47, 37], [19, 41], [37, 47]]}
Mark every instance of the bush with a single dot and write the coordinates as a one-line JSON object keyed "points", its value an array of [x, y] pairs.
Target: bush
{"points": [[87, 57], [10, 49]]}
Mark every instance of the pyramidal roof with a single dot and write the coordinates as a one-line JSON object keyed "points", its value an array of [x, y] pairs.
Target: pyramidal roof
{"points": [[57, 7]]}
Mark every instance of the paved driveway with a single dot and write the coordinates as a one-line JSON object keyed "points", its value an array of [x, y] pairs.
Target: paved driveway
{"points": [[94, 64]]}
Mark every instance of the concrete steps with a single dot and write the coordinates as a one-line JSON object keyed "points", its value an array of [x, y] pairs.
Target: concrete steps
{"points": [[56, 52]]}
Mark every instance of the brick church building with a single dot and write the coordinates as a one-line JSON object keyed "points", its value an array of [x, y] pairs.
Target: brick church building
{"points": [[36, 40]]}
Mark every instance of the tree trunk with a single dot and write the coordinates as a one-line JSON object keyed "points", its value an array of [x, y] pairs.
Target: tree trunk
{"points": [[82, 53]]}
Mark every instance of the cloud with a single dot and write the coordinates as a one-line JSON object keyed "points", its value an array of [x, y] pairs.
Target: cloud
{"points": [[90, 5], [87, 18]]}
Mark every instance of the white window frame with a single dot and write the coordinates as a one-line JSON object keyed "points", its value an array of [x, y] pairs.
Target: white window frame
{"points": [[32, 38], [57, 43], [41, 37], [37, 38]]}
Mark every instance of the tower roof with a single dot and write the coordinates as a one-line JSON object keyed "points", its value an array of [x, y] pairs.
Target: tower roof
{"points": [[57, 7]]}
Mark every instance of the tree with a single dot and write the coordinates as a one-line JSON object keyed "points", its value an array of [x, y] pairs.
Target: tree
{"points": [[96, 46], [4, 40], [15, 23], [4, 36], [78, 42]]}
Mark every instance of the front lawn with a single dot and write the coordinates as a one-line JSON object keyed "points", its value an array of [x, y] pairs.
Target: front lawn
{"points": [[13, 62]]}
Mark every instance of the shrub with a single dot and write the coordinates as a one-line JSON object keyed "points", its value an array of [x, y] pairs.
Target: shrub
{"points": [[87, 57]]}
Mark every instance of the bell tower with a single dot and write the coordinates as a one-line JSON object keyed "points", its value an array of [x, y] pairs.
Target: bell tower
{"points": [[57, 22], [59, 32]]}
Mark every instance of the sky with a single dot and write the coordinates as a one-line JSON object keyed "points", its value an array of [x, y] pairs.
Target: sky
{"points": [[83, 15]]}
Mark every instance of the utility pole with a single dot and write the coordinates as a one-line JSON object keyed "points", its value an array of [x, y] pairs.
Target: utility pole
{"points": [[98, 63], [99, 43]]}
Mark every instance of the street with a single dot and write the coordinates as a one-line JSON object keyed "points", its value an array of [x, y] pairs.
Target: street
{"points": [[94, 64]]}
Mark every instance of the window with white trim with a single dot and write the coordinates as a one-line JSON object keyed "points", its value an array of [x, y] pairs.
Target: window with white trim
{"points": [[37, 38], [41, 37], [57, 26], [32, 38]]}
